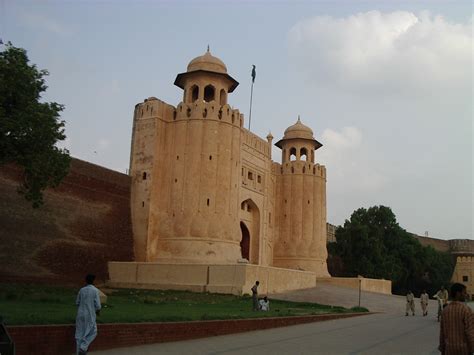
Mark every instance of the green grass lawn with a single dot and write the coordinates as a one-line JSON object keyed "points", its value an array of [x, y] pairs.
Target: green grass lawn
{"points": [[34, 304]]}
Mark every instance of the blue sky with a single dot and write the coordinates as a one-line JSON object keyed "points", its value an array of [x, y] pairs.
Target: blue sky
{"points": [[386, 86]]}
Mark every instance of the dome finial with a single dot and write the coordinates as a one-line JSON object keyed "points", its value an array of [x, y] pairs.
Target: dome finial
{"points": [[208, 51], [299, 119]]}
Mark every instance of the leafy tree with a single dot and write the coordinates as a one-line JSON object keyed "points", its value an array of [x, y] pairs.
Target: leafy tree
{"points": [[372, 244], [30, 129]]}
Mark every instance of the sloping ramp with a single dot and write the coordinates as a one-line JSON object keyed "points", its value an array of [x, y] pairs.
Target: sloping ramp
{"points": [[348, 297]]}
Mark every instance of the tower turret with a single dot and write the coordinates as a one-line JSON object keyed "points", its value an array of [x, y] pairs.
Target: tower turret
{"points": [[301, 242], [206, 79], [195, 203]]}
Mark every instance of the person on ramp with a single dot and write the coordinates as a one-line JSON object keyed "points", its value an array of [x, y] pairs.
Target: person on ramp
{"points": [[410, 303], [424, 299]]}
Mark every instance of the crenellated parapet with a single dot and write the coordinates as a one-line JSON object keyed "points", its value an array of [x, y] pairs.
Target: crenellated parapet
{"points": [[151, 108], [303, 168], [465, 259], [461, 246], [252, 142], [208, 111]]}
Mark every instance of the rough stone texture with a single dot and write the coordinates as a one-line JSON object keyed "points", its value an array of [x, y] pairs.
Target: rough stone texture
{"points": [[59, 339], [84, 223], [205, 189]]}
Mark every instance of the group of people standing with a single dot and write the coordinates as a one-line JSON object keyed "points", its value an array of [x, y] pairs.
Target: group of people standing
{"points": [[456, 319], [441, 296]]}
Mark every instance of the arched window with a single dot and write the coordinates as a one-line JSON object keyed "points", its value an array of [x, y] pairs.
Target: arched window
{"points": [[293, 154], [194, 93], [144, 175], [223, 97], [304, 154], [209, 93]]}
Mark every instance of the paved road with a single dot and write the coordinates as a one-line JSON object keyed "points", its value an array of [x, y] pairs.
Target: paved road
{"points": [[386, 333], [373, 334]]}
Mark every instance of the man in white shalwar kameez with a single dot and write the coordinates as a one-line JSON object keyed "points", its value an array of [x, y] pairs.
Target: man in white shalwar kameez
{"points": [[88, 303]]}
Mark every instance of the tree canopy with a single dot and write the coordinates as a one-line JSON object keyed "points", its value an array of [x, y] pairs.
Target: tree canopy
{"points": [[30, 129], [372, 244]]}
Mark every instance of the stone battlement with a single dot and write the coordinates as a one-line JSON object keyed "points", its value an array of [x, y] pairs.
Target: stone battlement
{"points": [[152, 107], [302, 167], [465, 259], [208, 110], [255, 142], [461, 246], [148, 108]]}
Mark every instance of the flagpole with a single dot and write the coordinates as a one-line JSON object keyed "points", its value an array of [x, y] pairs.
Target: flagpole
{"points": [[254, 74], [250, 113]]}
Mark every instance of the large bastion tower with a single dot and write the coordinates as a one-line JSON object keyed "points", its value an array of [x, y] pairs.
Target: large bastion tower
{"points": [[206, 191]]}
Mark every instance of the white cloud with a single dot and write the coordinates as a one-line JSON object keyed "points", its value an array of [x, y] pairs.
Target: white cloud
{"points": [[405, 81], [392, 53], [349, 137], [349, 167]]}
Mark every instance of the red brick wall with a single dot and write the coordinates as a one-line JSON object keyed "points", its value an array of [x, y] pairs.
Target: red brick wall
{"points": [[59, 339], [84, 223]]}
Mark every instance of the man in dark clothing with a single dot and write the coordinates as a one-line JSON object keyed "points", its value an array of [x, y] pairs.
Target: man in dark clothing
{"points": [[456, 335], [255, 296]]}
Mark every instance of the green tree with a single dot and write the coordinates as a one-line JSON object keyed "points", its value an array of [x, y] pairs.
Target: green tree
{"points": [[30, 129], [372, 244]]}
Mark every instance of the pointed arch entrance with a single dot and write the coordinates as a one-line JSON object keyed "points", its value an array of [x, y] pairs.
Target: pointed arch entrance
{"points": [[250, 231]]}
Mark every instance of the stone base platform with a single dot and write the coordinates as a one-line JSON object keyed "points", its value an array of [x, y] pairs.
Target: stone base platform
{"points": [[370, 285], [234, 279]]}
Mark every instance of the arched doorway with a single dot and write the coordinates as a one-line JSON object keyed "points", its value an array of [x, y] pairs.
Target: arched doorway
{"points": [[250, 228], [245, 242]]}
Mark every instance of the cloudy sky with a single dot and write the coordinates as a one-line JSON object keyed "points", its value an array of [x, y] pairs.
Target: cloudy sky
{"points": [[385, 85]]}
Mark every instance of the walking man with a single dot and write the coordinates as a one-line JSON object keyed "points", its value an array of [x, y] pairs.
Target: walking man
{"points": [[410, 303], [456, 334], [88, 303], [442, 296], [255, 295], [424, 298]]}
